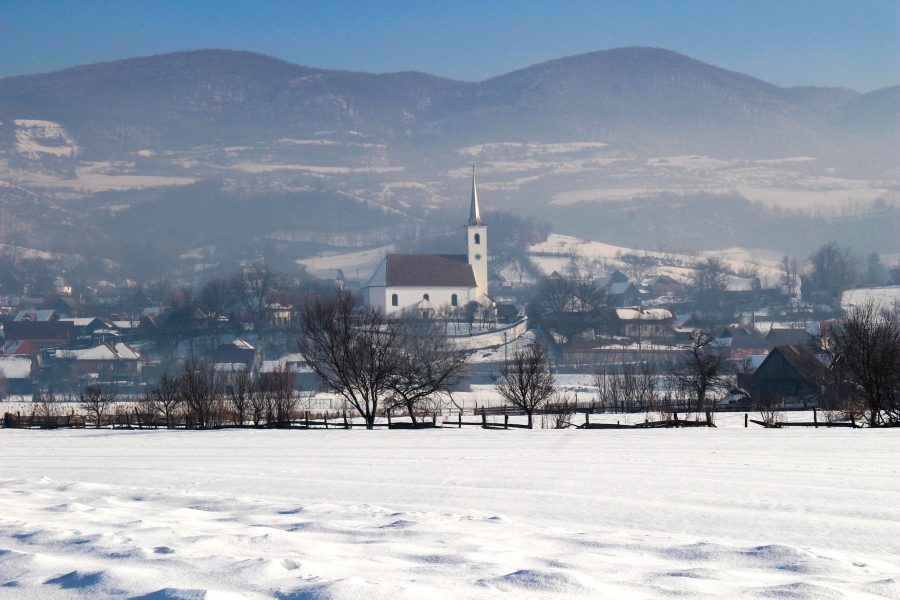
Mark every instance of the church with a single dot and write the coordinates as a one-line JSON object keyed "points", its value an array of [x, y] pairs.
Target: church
{"points": [[421, 284]]}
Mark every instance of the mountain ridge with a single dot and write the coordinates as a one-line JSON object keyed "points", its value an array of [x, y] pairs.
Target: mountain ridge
{"points": [[236, 136]]}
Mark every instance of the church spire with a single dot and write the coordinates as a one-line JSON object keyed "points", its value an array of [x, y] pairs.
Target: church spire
{"points": [[474, 212]]}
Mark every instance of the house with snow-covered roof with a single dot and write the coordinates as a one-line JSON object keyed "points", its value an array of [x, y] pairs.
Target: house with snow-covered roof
{"points": [[16, 375], [422, 284], [107, 360], [645, 323]]}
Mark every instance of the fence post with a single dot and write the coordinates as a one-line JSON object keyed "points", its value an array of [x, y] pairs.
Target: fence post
{"points": [[675, 417], [587, 420], [815, 419], [483, 417], [388, 414], [434, 420], [505, 421], [746, 419], [306, 415], [346, 424], [326, 420], [460, 419]]}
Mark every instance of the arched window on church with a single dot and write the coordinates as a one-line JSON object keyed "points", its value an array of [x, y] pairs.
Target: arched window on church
{"points": [[395, 300], [453, 300], [425, 297], [477, 238]]}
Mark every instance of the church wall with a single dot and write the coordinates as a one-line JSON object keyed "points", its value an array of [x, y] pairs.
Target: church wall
{"points": [[408, 297]]}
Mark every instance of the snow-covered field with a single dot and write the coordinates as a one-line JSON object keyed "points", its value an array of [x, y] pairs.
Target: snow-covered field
{"points": [[556, 252], [887, 296], [712, 513]]}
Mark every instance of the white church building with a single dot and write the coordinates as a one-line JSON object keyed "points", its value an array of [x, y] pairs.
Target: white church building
{"points": [[424, 283]]}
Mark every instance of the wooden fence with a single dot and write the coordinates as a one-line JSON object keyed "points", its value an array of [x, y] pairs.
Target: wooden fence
{"points": [[485, 417]]}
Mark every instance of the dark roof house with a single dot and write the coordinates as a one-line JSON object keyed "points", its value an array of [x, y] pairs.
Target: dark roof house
{"points": [[790, 374], [788, 337]]}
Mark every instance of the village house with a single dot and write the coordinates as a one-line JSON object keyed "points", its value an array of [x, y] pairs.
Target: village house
{"points": [[16, 373], [740, 341], [646, 323], [663, 285], [790, 376], [789, 336], [235, 356], [41, 334], [106, 362]]}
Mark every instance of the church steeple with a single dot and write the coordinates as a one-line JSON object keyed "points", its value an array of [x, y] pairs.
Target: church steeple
{"points": [[474, 212], [476, 234]]}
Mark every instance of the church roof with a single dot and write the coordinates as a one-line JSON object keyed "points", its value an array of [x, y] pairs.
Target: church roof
{"points": [[451, 270]]}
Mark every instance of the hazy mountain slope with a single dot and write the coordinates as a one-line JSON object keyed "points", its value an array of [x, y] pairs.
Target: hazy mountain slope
{"points": [[217, 155], [211, 97], [653, 99], [874, 114]]}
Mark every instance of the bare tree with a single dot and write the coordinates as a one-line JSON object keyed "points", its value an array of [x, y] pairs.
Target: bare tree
{"points": [[637, 266], [639, 385], [769, 404], [867, 351], [277, 388], [239, 390], [96, 402], [218, 295], [526, 379], [354, 353], [427, 367], [560, 412], [259, 404], [167, 398], [45, 404], [701, 371], [790, 275], [146, 409], [568, 308], [708, 281], [834, 269], [198, 391], [255, 284]]}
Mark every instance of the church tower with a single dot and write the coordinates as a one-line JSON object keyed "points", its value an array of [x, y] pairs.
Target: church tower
{"points": [[476, 240]]}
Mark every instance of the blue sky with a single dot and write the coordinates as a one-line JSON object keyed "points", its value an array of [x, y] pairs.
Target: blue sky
{"points": [[853, 43]]}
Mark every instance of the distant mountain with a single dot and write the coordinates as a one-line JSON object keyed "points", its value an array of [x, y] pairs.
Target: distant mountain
{"points": [[212, 97], [208, 157], [875, 114], [651, 99], [641, 97]]}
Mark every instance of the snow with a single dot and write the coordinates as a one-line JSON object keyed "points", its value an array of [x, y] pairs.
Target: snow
{"points": [[555, 254], [251, 167], [646, 314], [125, 352], [35, 137], [15, 367], [293, 361], [885, 296], [696, 513], [326, 265], [101, 352], [119, 351]]}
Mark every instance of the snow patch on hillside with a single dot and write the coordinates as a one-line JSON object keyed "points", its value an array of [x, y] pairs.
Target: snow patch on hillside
{"points": [[35, 137]]}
